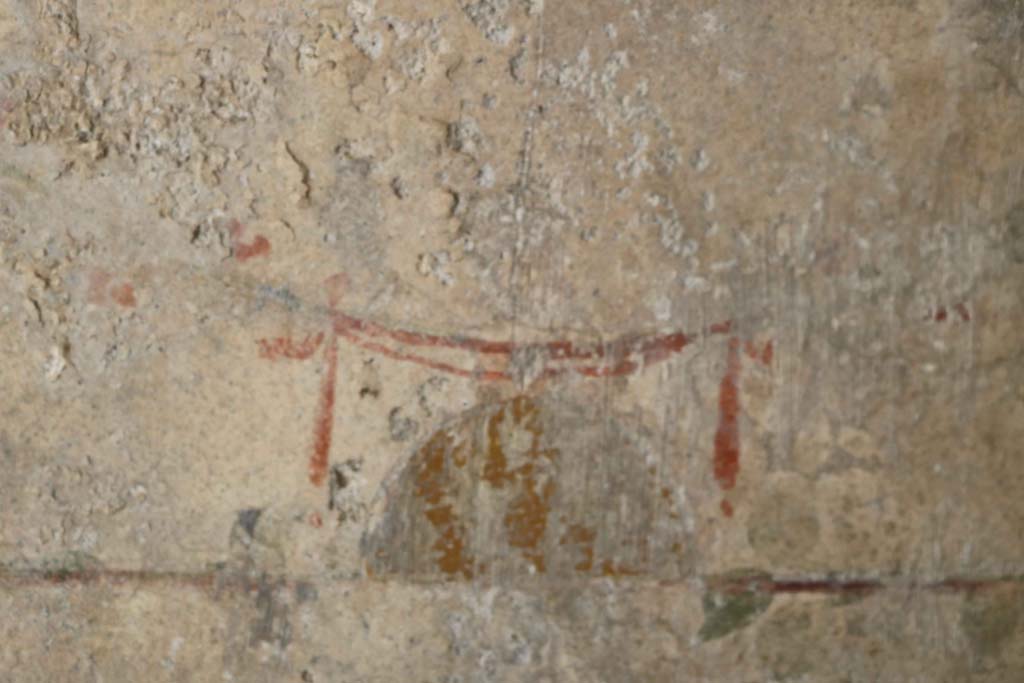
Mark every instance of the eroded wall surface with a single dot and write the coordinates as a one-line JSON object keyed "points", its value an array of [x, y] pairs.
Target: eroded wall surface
{"points": [[511, 340]]}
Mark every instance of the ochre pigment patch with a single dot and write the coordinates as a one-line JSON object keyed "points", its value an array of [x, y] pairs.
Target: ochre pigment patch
{"points": [[432, 486], [496, 494]]}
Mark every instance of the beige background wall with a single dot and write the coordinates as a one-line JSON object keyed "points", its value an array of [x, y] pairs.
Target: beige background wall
{"points": [[511, 340]]}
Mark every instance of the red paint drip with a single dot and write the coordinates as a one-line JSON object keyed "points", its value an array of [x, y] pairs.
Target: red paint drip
{"points": [[285, 347], [325, 416], [727, 437]]}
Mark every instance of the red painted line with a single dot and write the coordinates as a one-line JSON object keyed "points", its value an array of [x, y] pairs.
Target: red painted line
{"points": [[345, 321], [623, 367], [482, 375], [325, 416], [623, 356], [285, 347], [818, 586], [727, 437], [659, 348], [651, 349], [210, 580], [654, 347]]}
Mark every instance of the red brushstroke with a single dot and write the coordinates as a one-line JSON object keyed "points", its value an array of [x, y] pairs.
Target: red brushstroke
{"points": [[123, 294], [559, 350], [823, 586], [101, 292], [285, 347], [653, 347], [334, 288], [243, 251], [722, 328], [726, 508], [324, 424], [942, 314], [260, 246], [623, 367], [387, 351], [315, 520], [727, 437], [763, 355]]}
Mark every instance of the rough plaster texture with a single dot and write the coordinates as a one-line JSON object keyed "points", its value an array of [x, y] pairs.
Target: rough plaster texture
{"points": [[510, 340]]}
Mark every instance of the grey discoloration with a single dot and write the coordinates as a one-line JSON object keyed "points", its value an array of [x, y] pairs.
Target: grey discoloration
{"points": [[247, 520], [305, 592], [400, 427], [344, 495], [271, 625]]}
